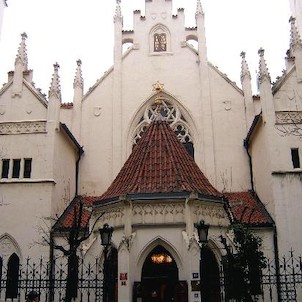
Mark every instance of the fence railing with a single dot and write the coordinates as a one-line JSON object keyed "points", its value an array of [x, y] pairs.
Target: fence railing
{"points": [[36, 276], [283, 284]]}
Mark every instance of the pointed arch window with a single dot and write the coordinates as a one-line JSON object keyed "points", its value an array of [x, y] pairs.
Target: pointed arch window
{"points": [[12, 277], [175, 119], [160, 40]]}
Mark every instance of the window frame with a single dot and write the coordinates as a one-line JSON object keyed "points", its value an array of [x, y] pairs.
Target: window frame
{"points": [[27, 167], [5, 168], [295, 158], [16, 168]]}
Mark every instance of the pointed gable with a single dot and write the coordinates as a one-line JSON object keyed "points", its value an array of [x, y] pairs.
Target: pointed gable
{"points": [[159, 163]]}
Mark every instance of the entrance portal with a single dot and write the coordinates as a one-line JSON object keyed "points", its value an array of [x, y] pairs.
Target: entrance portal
{"points": [[160, 277]]}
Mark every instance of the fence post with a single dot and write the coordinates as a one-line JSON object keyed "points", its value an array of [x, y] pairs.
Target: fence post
{"points": [[51, 267]]}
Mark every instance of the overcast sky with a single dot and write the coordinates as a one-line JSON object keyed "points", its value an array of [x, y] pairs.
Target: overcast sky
{"points": [[66, 30]]}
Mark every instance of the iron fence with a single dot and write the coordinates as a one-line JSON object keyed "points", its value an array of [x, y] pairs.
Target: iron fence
{"points": [[37, 276], [281, 283]]}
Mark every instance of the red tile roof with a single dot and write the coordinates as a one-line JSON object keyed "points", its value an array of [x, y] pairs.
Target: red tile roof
{"points": [[66, 220], [247, 208], [159, 163]]}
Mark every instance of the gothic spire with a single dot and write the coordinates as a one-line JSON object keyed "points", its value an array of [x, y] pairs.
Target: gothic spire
{"points": [[263, 70], [55, 89], [22, 53], [118, 12], [78, 79], [199, 10], [245, 72], [295, 38]]}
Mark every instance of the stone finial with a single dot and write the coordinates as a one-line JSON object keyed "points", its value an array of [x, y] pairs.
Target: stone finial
{"points": [[118, 12], [78, 79], [55, 88], [199, 10], [295, 38], [158, 86], [245, 72], [263, 70], [22, 53]]}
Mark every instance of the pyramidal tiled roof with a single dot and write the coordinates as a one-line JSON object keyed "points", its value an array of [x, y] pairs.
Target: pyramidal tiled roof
{"points": [[159, 163]]}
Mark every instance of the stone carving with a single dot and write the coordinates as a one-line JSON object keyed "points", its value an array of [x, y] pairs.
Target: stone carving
{"points": [[188, 240], [7, 246], [23, 127], [128, 241], [158, 213], [114, 216], [210, 211], [97, 111], [289, 117]]}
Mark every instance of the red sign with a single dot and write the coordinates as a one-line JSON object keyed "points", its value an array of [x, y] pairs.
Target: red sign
{"points": [[123, 276]]}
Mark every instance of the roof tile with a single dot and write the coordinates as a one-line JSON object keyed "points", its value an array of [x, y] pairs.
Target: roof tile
{"points": [[159, 163], [248, 209]]}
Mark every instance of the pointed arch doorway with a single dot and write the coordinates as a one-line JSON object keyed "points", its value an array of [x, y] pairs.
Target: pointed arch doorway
{"points": [[160, 281]]}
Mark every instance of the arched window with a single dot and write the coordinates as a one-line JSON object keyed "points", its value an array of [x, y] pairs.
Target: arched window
{"points": [[174, 118], [12, 277], [160, 40]]}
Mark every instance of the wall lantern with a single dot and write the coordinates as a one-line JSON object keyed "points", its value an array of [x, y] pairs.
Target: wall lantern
{"points": [[202, 230], [106, 234]]}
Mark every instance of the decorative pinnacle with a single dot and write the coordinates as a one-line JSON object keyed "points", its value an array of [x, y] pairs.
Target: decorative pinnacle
{"points": [[263, 70], [22, 53], [158, 86], [78, 79], [245, 72], [295, 38], [118, 12], [55, 89], [199, 10]]}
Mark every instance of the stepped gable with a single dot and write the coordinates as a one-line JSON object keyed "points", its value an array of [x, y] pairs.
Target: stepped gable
{"points": [[159, 163]]}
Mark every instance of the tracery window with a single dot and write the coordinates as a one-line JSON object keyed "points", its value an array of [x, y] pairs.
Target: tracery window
{"points": [[174, 118], [160, 42]]}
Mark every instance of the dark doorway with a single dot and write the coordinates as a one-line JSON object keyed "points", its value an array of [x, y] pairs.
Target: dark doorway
{"points": [[210, 276], [112, 274], [12, 277], [159, 277]]}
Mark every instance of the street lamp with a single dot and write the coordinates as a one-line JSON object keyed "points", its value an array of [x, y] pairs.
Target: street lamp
{"points": [[106, 234], [202, 230]]}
